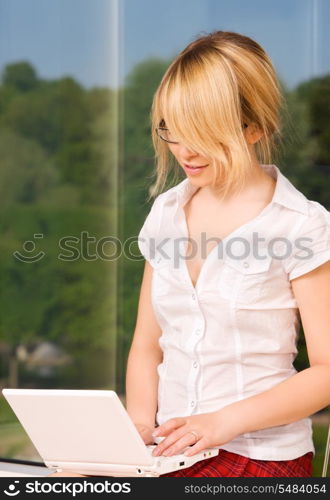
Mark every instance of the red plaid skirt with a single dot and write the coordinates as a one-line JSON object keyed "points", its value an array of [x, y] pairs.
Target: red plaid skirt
{"points": [[228, 464]]}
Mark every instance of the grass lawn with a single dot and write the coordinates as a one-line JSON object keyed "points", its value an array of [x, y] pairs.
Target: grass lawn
{"points": [[320, 434]]}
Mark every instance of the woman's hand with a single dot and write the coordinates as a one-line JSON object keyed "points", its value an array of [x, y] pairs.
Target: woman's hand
{"points": [[146, 433], [205, 430]]}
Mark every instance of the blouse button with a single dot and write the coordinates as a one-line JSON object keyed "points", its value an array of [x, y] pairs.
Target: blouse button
{"points": [[193, 296], [195, 365], [192, 404], [245, 264]]}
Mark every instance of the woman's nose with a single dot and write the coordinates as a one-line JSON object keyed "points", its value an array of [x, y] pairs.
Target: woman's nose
{"points": [[185, 152]]}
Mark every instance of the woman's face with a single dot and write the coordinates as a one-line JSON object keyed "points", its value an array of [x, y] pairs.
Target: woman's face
{"points": [[189, 160]]}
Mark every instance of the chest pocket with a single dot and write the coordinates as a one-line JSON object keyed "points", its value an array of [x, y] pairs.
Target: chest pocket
{"points": [[244, 280]]}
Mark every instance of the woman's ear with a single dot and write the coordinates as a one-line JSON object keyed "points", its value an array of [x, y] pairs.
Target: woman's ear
{"points": [[253, 133]]}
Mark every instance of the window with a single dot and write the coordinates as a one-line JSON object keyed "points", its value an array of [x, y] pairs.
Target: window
{"points": [[77, 80]]}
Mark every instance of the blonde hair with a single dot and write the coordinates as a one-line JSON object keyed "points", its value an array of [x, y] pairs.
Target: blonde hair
{"points": [[219, 82]]}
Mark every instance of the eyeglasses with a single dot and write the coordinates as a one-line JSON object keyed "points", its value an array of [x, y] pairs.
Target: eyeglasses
{"points": [[164, 134]]}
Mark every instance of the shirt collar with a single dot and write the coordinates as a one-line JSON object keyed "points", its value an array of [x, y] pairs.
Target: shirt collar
{"points": [[285, 194]]}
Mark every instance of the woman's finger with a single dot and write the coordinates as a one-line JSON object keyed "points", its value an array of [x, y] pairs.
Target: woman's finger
{"points": [[200, 445], [169, 440], [169, 426], [187, 439]]}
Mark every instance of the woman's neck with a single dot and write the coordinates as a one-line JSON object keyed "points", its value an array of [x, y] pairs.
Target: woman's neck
{"points": [[258, 185]]}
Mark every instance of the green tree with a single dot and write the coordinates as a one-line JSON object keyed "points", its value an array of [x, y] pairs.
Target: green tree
{"points": [[56, 179], [20, 76], [135, 170]]}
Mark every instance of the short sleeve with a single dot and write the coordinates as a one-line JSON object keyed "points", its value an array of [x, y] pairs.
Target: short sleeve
{"points": [[311, 243], [149, 232]]}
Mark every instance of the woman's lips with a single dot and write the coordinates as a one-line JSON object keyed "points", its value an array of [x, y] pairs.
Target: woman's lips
{"points": [[194, 170]]}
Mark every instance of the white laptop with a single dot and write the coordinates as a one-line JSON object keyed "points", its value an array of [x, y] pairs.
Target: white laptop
{"points": [[90, 432]]}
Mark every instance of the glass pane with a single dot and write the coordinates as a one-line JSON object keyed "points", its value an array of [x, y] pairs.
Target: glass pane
{"points": [[296, 37], [58, 183]]}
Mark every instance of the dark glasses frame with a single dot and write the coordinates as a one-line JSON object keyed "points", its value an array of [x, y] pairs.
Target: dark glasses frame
{"points": [[159, 129]]}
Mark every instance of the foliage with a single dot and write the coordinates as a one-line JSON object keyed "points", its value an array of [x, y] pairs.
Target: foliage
{"points": [[55, 181]]}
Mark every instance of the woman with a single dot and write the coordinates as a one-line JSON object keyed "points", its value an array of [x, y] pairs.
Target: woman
{"points": [[211, 358]]}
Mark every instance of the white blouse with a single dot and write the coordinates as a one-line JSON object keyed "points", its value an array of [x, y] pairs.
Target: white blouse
{"points": [[234, 334]]}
